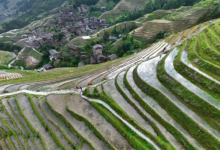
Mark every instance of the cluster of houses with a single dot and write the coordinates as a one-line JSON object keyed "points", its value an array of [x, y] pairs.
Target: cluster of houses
{"points": [[70, 22], [98, 56], [36, 38], [6, 15], [79, 24]]}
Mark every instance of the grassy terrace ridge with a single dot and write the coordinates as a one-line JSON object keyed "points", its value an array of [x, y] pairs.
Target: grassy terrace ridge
{"points": [[179, 137], [132, 137], [213, 37], [64, 73], [160, 137], [198, 62], [10, 133], [80, 118], [8, 115], [203, 109], [36, 134], [201, 135], [18, 116], [68, 124], [66, 132], [205, 50], [105, 98], [45, 125], [80, 109], [210, 42], [8, 123], [29, 134]]}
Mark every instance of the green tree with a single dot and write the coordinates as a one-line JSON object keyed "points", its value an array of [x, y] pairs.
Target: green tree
{"points": [[115, 31], [106, 36]]}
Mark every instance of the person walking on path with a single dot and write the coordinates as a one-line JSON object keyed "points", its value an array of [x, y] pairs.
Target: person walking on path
{"points": [[81, 89]]}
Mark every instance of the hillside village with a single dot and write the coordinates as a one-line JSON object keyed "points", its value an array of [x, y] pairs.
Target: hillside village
{"points": [[70, 22], [148, 79]]}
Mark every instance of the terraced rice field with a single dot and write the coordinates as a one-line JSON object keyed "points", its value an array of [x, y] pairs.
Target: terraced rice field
{"points": [[9, 76], [150, 100]]}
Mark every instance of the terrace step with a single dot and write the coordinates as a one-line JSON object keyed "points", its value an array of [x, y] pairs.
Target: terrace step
{"points": [[58, 104], [3, 127], [85, 147], [71, 136], [32, 145], [169, 67], [84, 82], [34, 87], [8, 144], [23, 142], [164, 131], [8, 123], [2, 146], [37, 143], [209, 43], [2, 88], [54, 130], [99, 88], [23, 87], [12, 115], [12, 88], [54, 86], [206, 52], [28, 112], [80, 107], [16, 143], [147, 72], [98, 79], [110, 90], [184, 59], [200, 63], [159, 110], [68, 85], [14, 107]]}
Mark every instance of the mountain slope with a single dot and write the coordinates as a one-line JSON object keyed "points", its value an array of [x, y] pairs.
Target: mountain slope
{"points": [[125, 111]]}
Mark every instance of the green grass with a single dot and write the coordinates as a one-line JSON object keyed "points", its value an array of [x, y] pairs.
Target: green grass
{"points": [[47, 127], [206, 52], [11, 143], [135, 141], [35, 55], [213, 37], [198, 79], [80, 118], [198, 62], [6, 112], [63, 73], [5, 57], [29, 125], [160, 141], [179, 137], [160, 137], [200, 134], [69, 125], [206, 111], [59, 127]]}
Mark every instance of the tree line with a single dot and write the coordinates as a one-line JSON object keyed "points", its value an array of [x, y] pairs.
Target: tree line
{"points": [[153, 5]]}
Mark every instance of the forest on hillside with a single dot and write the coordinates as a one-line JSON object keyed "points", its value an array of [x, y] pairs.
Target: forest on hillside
{"points": [[33, 8], [151, 6]]}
